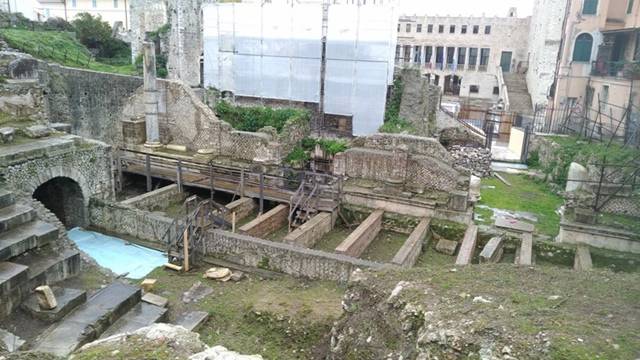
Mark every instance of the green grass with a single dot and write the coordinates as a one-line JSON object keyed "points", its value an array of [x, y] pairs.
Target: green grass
{"points": [[624, 222], [255, 118], [283, 318], [525, 195], [59, 47], [384, 247]]}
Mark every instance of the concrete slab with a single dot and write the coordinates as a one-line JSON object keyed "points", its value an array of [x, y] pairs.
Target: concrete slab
{"points": [[139, 316], [267, 223], [514, 225], [11, 275], [156, 300], [492, 251], [468, 247], [68, 299], [192, 320], [582, 261], [24, 238], [6, 198], [90, 320], [358, 241], [412, 248], [524, 257]]}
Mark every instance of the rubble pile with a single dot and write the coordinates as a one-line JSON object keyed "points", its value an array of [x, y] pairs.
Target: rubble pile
{"points": [[476, 160]]}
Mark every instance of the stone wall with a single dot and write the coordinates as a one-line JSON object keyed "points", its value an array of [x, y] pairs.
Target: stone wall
{"points": [[267, 223], [145, 16], [420, 102], [185, 41], [289, 259], [153, 198], [88, 100]]}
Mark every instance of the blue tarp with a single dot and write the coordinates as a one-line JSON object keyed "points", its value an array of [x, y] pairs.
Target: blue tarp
{"points": [[116, 254]]}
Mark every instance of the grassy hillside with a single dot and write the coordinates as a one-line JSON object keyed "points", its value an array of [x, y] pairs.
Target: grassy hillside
{"points": [[59, 47]]}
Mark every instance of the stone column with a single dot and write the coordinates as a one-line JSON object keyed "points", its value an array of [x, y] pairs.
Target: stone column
{"points": [[151, 96]]}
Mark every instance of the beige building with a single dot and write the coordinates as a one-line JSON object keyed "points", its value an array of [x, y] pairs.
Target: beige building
{"points": [[465, 56], [111, 11], [599, 60]]}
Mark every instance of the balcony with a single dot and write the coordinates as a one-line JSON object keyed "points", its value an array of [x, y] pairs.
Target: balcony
{"points": [[621, 69], [482, 68]]}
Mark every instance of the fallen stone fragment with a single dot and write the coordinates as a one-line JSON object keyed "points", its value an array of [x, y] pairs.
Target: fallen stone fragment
{"points": [[148, 284], [156, 300], [46, 299], [237, 276], [9, 341], [196, 293], [37, 131], [220, 274], [7, 134], [61, 127], [447, 247]]}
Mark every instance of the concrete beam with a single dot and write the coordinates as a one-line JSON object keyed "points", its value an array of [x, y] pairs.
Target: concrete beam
{"points": [[267, 223], [243, 207], [524, 256], [358, 241], [582, 261], [493, 250], [310, 232], [412, 248], [468, 247]]}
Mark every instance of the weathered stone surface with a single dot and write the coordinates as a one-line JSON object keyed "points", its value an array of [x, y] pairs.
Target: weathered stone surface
{"points": [[147, 285], [192, 320], [513, 224], [37, 131], [493, 250], [267, 223], [311, 231], [475, 159], [156, 300], [524, 255], [68, 299], [474, 188], [7, 134], [577, 174], [582, 261], [141, 315], [220, 274], [412, 247], [468, 247], [447, 247], [62, 127], [23, 68], [358, 241], [196, 292], [46, 299], [420, 102], [9, 341], [585, 216]]}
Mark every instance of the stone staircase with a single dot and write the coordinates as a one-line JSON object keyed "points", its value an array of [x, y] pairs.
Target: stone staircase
{"points": [[27, 259], [519, 97]]}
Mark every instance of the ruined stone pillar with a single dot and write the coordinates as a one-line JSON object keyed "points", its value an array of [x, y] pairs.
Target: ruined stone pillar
{"points": [[151, 96]]}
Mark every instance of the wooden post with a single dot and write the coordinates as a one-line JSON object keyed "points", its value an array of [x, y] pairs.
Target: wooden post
{"points": [[233, 222], [148, 172], [261, 193], [242, 183], [179, 176], [185, 248]]}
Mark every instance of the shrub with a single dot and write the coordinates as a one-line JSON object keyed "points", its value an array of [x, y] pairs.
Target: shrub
{"points": [[95, 34], [257, 117]]}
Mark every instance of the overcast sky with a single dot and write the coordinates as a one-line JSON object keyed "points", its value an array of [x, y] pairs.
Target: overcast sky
{"points": [[465, 7]]}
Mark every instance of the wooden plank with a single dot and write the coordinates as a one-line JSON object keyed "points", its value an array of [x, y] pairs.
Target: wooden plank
{"points": [[173, 267], [412, 248], [468, 247], [492, 251], [358, 241], [525, 251], [502, 179]]}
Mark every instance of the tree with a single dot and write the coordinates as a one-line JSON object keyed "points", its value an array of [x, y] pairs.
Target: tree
{"points": [[96, 34]]}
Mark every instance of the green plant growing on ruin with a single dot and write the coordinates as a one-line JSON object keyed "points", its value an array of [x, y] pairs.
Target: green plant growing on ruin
{"points": [[256, 117], [393, 123], [333, 146], [297, 157]]}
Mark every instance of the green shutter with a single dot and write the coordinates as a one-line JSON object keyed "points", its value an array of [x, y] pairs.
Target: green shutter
{"points": [[590, 7], [582, 49], [630, 7]]}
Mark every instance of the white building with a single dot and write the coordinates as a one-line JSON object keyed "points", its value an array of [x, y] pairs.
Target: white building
{"points": [[464, 55], [276, 52], [111, 11], [25, 7]]}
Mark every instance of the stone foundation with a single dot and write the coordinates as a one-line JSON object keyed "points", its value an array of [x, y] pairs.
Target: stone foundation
{"points": [[358, 241], [267, 223], [310, 232], [599, 237], [412, 248]]}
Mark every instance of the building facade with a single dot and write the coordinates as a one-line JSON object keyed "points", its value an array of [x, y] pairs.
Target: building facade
{"points": [[599, 61], [111, 11], [464, 55]]}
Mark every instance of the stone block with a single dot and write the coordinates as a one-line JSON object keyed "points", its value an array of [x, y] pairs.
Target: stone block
{"points": [[156, 300], [458, 200], [524, 255], [585, 216], [37, 131], [447, 247], [412, 248], [267, 223], [147, 285], [7, 134], [46, 299], [68, 299], [192, 320], [62, 127], [468, 247], [493, 250], [577, 174], [582, 261], [358, 241], [513, 224], [243, 207], [134, 131], [310, 232], [10, 342]]}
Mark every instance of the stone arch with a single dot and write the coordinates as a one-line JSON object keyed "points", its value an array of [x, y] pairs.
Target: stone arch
{"points": [[59, 187]]}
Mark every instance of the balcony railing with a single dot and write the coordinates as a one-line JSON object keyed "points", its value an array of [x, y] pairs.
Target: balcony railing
{"points": [[623, 69], [482, 68]]}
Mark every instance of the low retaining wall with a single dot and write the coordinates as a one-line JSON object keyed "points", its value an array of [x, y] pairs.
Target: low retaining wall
{"points": [[412, 248], [243, 207], [127, 220], [310, 232], [267, 223], [152, 198], [599, 237], [358, 241], [289, 259]]}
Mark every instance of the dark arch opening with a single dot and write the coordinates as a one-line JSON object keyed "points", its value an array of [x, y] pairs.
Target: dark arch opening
{"points": [[63, 196]]}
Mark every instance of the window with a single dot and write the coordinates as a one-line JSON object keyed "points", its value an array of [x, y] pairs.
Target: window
{"points": [[484, 56], [590, 7], [452, 29], [474, 89], [440, 29], [630, 7], [419, 28], [408, 27], [417, 54], [74, 3], [496, 90], [464, 29], [582, 48], [398, 27], [430, 28], [476, 29], [115, 4], [94, 3], [462, 53], [428, 52], [398, 50], [605, 94], [473, 56], [487, 29]]}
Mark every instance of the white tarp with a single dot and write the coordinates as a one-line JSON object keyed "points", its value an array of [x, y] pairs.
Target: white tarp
{"points": [[274, 50]]}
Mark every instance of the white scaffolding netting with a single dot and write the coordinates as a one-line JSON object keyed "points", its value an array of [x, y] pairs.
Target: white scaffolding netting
{"points": [[274, 51]]}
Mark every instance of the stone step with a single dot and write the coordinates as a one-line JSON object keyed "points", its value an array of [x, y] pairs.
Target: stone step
{"points": [[192, 320], [67, 299], [24, 238], [15, 215], [13, 280], [139, 316], [6, 198], [89, 320]]}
